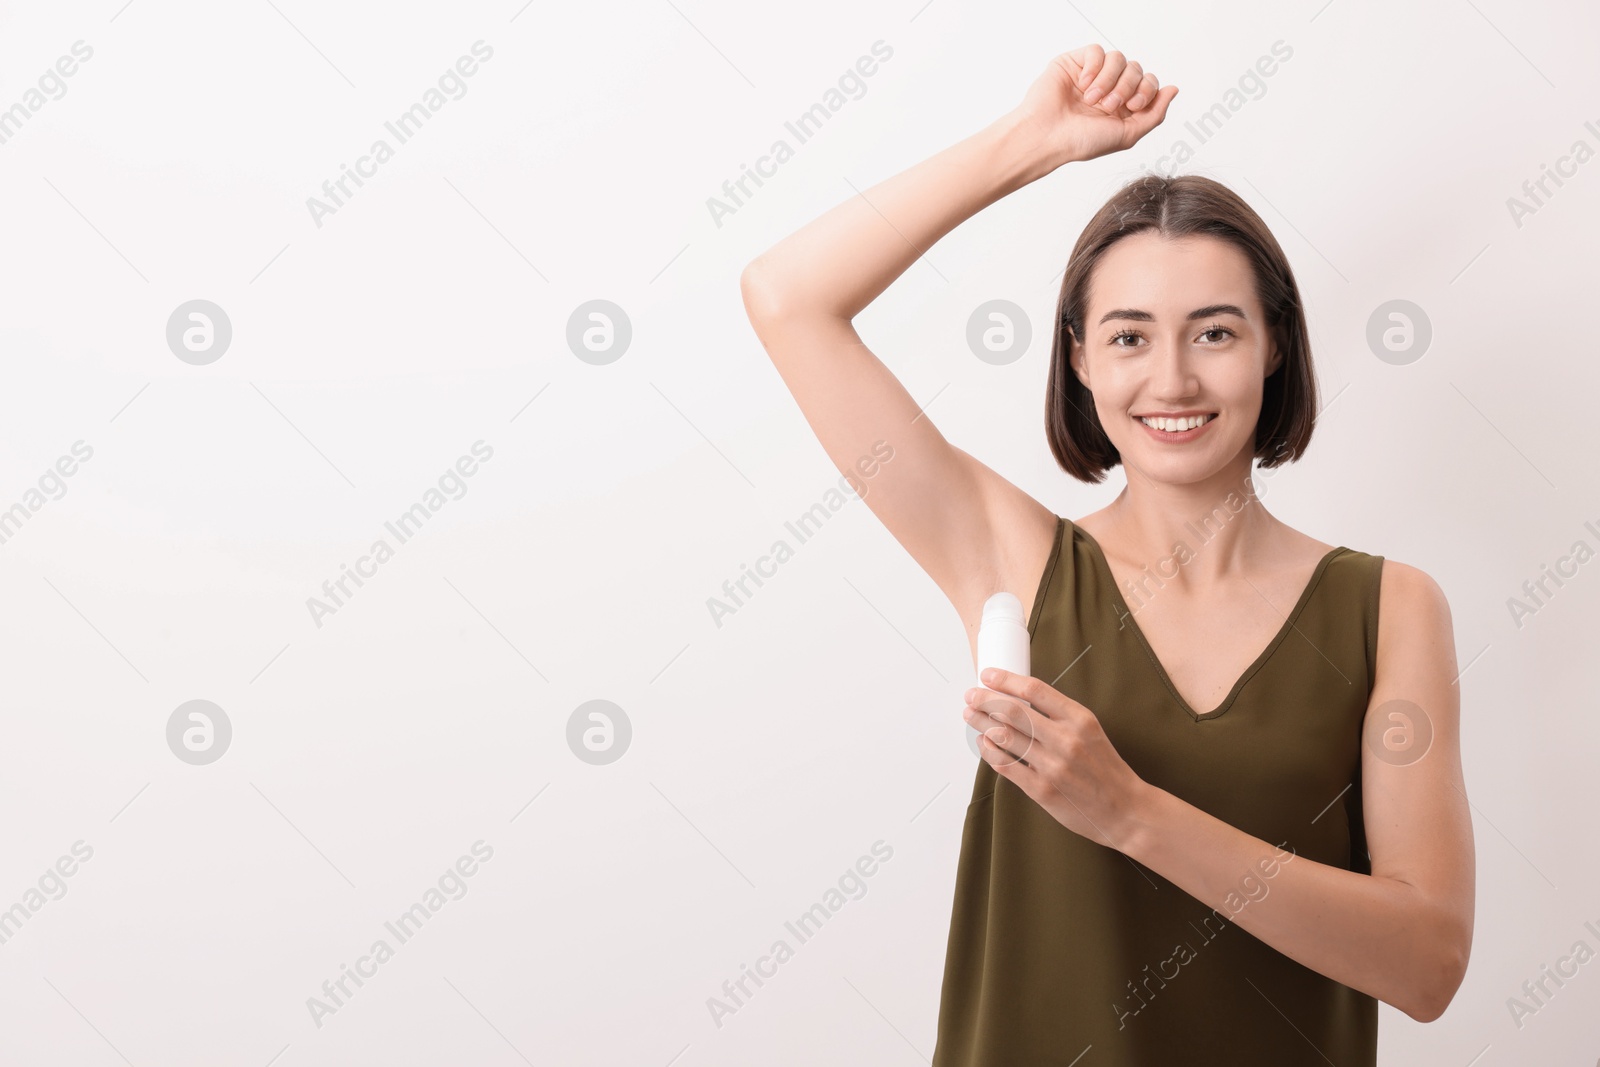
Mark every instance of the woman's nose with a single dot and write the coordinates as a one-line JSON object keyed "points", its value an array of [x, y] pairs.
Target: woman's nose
{"points": [[1173, 374]]}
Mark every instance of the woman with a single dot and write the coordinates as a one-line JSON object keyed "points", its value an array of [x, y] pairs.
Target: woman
{"points": [[1270, 744]]}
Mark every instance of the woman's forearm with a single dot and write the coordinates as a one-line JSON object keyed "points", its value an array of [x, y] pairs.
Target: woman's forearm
{"points": [[1377, 935], [838, 263]]}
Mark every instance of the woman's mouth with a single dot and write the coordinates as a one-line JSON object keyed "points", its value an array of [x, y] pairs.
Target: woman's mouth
{"points": [[1176, 430]]}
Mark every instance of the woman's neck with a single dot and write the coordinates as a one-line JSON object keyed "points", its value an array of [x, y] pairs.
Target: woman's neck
{"points": [[1218, 527]]}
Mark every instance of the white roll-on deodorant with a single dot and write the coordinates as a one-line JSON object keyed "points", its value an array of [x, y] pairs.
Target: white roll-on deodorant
{"points": [[1003, 636]]}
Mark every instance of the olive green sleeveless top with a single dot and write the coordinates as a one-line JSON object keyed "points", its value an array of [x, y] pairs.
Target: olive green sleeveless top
{"points": [[1064, 951]]}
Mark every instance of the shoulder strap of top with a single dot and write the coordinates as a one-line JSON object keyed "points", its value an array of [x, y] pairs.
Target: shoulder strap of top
{"points": [[1050, 568], [1374, 588], [1356, 580]]}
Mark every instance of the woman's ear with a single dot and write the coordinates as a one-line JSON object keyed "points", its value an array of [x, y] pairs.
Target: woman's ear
{"points": [[1274, 359], [1075, 358]]}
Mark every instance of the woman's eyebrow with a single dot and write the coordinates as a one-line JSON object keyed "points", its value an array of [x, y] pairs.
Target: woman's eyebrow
{"points": [[1207, 312]]}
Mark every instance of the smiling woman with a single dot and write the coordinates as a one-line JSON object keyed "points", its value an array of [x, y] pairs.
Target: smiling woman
{"points": [[1185, 749], [1172, 236]]}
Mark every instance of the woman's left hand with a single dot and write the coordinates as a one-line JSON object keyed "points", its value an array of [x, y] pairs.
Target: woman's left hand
{"points": [[1071, 769]]}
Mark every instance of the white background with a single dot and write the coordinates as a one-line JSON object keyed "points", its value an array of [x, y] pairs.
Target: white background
{"points": [[768, 753]]}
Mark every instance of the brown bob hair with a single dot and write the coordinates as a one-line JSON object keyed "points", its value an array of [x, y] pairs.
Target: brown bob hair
{"points": [[1179, 207]]}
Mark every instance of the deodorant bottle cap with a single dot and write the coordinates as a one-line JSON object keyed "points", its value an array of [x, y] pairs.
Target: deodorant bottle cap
{"points": [[1004, 606], [1003, 638]]}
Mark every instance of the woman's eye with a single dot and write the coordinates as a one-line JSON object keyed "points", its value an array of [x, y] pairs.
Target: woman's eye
{"points": [[1222, 331]]}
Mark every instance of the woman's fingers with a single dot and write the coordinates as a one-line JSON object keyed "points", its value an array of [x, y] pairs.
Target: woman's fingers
{"points": [[1145, 93], [1110, 79], [1127, 84], [1106, 79], [1088, 60], [1004, 723], [1041, 698], [1148, 118], [1000, 712], [1010, 760], [1010, 725]]}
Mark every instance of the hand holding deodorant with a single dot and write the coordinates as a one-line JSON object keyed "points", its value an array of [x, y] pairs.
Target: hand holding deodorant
{"points": [[1003, 642]]}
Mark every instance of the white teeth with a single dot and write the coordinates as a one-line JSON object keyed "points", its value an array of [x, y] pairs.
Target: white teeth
{"points": [[1177, 425]]}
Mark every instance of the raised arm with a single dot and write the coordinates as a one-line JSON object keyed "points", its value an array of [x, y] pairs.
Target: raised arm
{"points": [[971, 530]]}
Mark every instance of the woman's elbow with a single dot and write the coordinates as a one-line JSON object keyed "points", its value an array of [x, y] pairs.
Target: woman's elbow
{"points": [[1449, 970], [757, 291]]}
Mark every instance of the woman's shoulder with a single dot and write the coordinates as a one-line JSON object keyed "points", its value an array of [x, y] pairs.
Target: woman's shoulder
{"points": [[1411, 644], [1407, 610], [1404, 590], [1403, 587], [1404, 610], [1410, 598]]}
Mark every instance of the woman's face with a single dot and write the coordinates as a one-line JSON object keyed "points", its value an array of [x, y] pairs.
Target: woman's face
{"points": [[1174, 328]]}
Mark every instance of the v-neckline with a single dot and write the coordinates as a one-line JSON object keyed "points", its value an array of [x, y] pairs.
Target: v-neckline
{"points": [[1255, 665]]}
